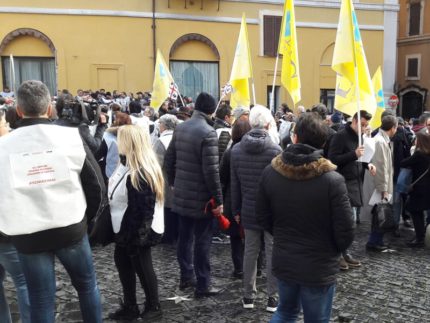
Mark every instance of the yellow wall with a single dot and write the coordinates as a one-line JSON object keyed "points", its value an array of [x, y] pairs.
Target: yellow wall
{"points": [[111, 51], [27, 46], [413, 45]]}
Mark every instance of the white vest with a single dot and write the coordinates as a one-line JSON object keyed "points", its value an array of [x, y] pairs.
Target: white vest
{"points": [[40, 179], [118, 195], [118, 200], [166, 138]]}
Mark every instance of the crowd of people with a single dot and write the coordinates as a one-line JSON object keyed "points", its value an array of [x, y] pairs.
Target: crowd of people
{"points": [[293, 187]]}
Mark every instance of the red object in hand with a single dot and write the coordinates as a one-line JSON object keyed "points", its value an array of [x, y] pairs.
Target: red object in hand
{"points": [[223, 222]]}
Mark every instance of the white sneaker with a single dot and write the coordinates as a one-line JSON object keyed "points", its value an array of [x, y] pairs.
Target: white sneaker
{"points": [[272, 304], [248, 303]]}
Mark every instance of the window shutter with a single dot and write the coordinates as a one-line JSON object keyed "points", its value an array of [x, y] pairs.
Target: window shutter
{"points": [[268, 35], [414, 18], [412, 67], [272, 27]]}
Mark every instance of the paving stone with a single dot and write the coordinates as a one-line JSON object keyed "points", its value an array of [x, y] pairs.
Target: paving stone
{"points": [[389, 287]]}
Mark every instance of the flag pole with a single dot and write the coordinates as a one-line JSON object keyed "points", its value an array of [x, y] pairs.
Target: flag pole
{"points": [[253, 91], [357, 89], [12, 73], [272, 95], [219, 102], [182, 100]]}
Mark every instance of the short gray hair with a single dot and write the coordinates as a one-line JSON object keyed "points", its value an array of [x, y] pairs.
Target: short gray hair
{"points": [[33, 98], [169, 121], [259, 117]]}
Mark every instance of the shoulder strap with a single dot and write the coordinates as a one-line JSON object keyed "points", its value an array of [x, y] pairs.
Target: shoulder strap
{"points": [[419, 178], [117, 184]]}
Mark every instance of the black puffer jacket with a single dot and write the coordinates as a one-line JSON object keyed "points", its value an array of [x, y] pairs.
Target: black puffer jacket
{"points": [[304, 203], [223, 133], [248, 159], [419, 196], [192, 166], [402, 144], [341, 152]]}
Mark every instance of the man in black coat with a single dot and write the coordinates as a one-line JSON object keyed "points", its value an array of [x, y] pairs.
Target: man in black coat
{"points": [[402, 143], [248, 159], [304, 203], [344, 152], [192, 166]]}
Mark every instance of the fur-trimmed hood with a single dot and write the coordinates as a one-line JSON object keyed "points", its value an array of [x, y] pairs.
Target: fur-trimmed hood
{"points": [[302, 162]]}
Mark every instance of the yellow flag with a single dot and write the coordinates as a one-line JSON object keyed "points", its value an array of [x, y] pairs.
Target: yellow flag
{"points": [[241, 70], [290, 76], [379, 95], [348, 59], [163, 82]]}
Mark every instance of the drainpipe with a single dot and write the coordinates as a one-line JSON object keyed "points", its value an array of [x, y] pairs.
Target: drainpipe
{"points": [[154, 41]]}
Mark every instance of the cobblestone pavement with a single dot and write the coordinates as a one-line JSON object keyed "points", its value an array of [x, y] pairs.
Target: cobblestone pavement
{"points": [[389, 287]]}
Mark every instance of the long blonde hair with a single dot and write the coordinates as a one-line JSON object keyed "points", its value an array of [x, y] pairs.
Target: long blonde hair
{"points": [[134, 143]]}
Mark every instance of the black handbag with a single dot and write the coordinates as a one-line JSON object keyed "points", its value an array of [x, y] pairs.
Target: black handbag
{"points": [[100, 231], [383, 218]]}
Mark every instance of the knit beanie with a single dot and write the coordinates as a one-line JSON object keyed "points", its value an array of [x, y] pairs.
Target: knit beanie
{"points": [[336, 117], [205, 103]]}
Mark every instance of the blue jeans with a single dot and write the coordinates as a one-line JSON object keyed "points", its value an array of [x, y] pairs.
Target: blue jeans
{"points": [[315, 301], [9, 262], [397, 206], [39, 272], [199, 230]]}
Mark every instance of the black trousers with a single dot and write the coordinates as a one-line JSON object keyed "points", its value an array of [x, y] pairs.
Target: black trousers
{"points": [[419, 226], [197, 233], [237, 247], [140, 264], [171, 226]]}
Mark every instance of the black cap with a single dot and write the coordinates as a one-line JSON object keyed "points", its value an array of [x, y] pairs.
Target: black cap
{"points": [[205, 103]]}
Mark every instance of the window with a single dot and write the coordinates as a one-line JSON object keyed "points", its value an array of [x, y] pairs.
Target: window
{"points": [[194, 77], [30, 68], [276, 97], [272, 27], [327, 98], [415, 18], [413, 64]]}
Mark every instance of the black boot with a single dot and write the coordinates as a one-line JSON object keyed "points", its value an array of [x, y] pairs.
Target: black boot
{"points": [[125, 312], [151, 312]]}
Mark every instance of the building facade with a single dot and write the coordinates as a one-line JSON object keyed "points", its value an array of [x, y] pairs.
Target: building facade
{"points": [[413, 47], [111, 44]]}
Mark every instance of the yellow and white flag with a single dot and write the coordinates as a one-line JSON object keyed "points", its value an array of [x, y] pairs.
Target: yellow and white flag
{"points": [[379, 95], [164, 86], [241, 70], [350, 64], [290, 75]]}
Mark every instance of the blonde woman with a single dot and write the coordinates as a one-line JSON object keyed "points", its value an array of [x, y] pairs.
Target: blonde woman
{"points": [[136, 192]]}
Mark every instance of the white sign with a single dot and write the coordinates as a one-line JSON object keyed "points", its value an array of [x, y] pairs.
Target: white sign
{"points": [[38, 169]]}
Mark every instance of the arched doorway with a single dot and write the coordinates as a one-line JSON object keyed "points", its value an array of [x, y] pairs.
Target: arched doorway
{"points": [[33, 55], [194, 64], [412, 99]]}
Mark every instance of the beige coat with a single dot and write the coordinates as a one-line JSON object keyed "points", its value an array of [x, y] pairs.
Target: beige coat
{"points": [[383, 180]]}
